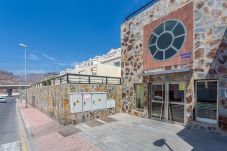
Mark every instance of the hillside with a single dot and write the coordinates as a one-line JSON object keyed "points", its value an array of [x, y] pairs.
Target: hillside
{"points": [[9, 78]]}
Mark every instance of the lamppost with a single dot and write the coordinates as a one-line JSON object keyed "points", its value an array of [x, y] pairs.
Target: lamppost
{"points": [[25, 71]]}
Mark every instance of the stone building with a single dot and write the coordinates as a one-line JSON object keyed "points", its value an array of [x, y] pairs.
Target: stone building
{"points": [[105, 65], [174, 62]]}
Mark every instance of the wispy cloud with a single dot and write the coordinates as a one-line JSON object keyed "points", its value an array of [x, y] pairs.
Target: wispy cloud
{"points": [[32, 57], [48, 57], [59, 63]]}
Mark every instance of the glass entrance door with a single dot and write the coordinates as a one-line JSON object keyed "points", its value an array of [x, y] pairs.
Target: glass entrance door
{"points": [[167, 101], [206, 110], [158, 101], [176, 102]]}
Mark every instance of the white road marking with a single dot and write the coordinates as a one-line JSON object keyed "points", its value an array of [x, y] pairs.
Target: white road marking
{"points": [[14, 146]]}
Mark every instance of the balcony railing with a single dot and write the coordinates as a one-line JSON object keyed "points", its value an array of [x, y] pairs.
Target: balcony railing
{"points": [[138, 11], [78, 79]]}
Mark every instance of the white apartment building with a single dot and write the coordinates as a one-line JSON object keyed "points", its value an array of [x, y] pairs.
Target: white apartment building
{"points": [[106, 65]]}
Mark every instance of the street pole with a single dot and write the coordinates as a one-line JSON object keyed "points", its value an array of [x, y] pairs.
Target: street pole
{"points": [[26, 96], [25, 72], [20, 89]]}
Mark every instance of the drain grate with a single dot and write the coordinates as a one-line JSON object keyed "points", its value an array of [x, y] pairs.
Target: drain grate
{"points": [[94, 123], [69, 130], [108, 119]]}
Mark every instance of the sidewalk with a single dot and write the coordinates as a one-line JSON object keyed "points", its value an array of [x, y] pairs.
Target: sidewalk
{"points": [[119, 132], [45, 136]]}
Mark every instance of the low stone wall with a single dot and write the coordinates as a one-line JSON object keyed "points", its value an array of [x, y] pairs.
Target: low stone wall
{"points": [[54, 101]]}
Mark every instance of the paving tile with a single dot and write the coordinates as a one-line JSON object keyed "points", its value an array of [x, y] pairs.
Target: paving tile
{"points": [[94, 123], [108, 119], [69, 130]]}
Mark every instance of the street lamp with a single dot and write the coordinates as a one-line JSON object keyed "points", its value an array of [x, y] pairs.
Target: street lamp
{"points": [[25, 71]]}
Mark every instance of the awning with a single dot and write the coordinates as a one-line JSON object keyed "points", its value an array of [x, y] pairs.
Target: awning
{"points": [[150, 73]]}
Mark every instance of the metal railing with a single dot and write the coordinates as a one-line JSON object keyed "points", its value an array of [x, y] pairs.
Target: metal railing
{"points": [[78, 79], [133, 14]]}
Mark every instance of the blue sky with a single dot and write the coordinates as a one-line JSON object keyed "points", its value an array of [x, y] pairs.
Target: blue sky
{"points": [[59, 33]]}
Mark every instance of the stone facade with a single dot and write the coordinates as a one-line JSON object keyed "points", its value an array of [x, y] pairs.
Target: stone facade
{"points": [[54, 101], [210, 42], [208, 21]]}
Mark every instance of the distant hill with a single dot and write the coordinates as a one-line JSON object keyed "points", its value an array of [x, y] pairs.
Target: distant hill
{"points": [[37, 77], [9, 78]]}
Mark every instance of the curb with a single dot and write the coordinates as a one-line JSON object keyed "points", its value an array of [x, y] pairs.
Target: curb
{"points": [[28, 133]]}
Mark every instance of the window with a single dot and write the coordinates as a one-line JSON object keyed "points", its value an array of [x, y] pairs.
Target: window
{"points": [[94, 71], [166, 40], [158, 92], [139, 96], [158, 101], [207, 93], [117, 64], [176, 93]]}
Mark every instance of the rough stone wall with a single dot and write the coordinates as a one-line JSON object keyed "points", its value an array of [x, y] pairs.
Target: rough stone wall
{"points": [[210, 38], [50, 100], [209, 52], [210, 47], [54, 101], [132, 51]]}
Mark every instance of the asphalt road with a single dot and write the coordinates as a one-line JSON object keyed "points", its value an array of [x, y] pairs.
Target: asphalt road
{"points": [[9, 132]]}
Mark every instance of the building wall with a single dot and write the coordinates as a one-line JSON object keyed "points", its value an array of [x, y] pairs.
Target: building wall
{"points": [[111, 62], [101, 70], [183, 17], [108, 70], [132, 46], [54, 101], [210, 47], [209, 20]]}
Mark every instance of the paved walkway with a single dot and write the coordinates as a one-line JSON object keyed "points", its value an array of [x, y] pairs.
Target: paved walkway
{"points": [[45, 136], [120, 132]]}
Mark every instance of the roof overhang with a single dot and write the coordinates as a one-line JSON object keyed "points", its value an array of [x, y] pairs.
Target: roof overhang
{"points": [[152, 73]]}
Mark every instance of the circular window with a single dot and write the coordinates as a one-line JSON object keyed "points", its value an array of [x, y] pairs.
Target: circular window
{"points": [[167, 39]]}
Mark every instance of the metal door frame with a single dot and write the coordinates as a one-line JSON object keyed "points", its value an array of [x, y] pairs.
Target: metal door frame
{"points": [[166, 100], [210, 121], [184, 104]]}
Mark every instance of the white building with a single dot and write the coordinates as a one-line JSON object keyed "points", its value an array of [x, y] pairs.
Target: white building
{"points": [[106, 65]]}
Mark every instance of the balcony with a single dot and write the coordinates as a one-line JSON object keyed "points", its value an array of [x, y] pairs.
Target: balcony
{"points": [[78, 79]]}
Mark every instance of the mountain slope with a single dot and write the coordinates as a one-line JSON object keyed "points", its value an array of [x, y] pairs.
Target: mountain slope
{"points": [[9, 78]]}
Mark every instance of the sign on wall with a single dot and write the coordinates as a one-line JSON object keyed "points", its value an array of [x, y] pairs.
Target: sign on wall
{"points": [[186, 55], [181, 87]]}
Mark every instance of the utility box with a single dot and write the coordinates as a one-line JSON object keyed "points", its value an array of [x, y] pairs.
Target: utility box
{"points": [[111, 103], [76, 103], [87, 102], [99, 101]]}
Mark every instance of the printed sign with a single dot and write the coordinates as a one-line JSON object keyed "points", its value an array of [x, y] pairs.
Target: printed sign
{"points": [[186, 55], [181, 87]]}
